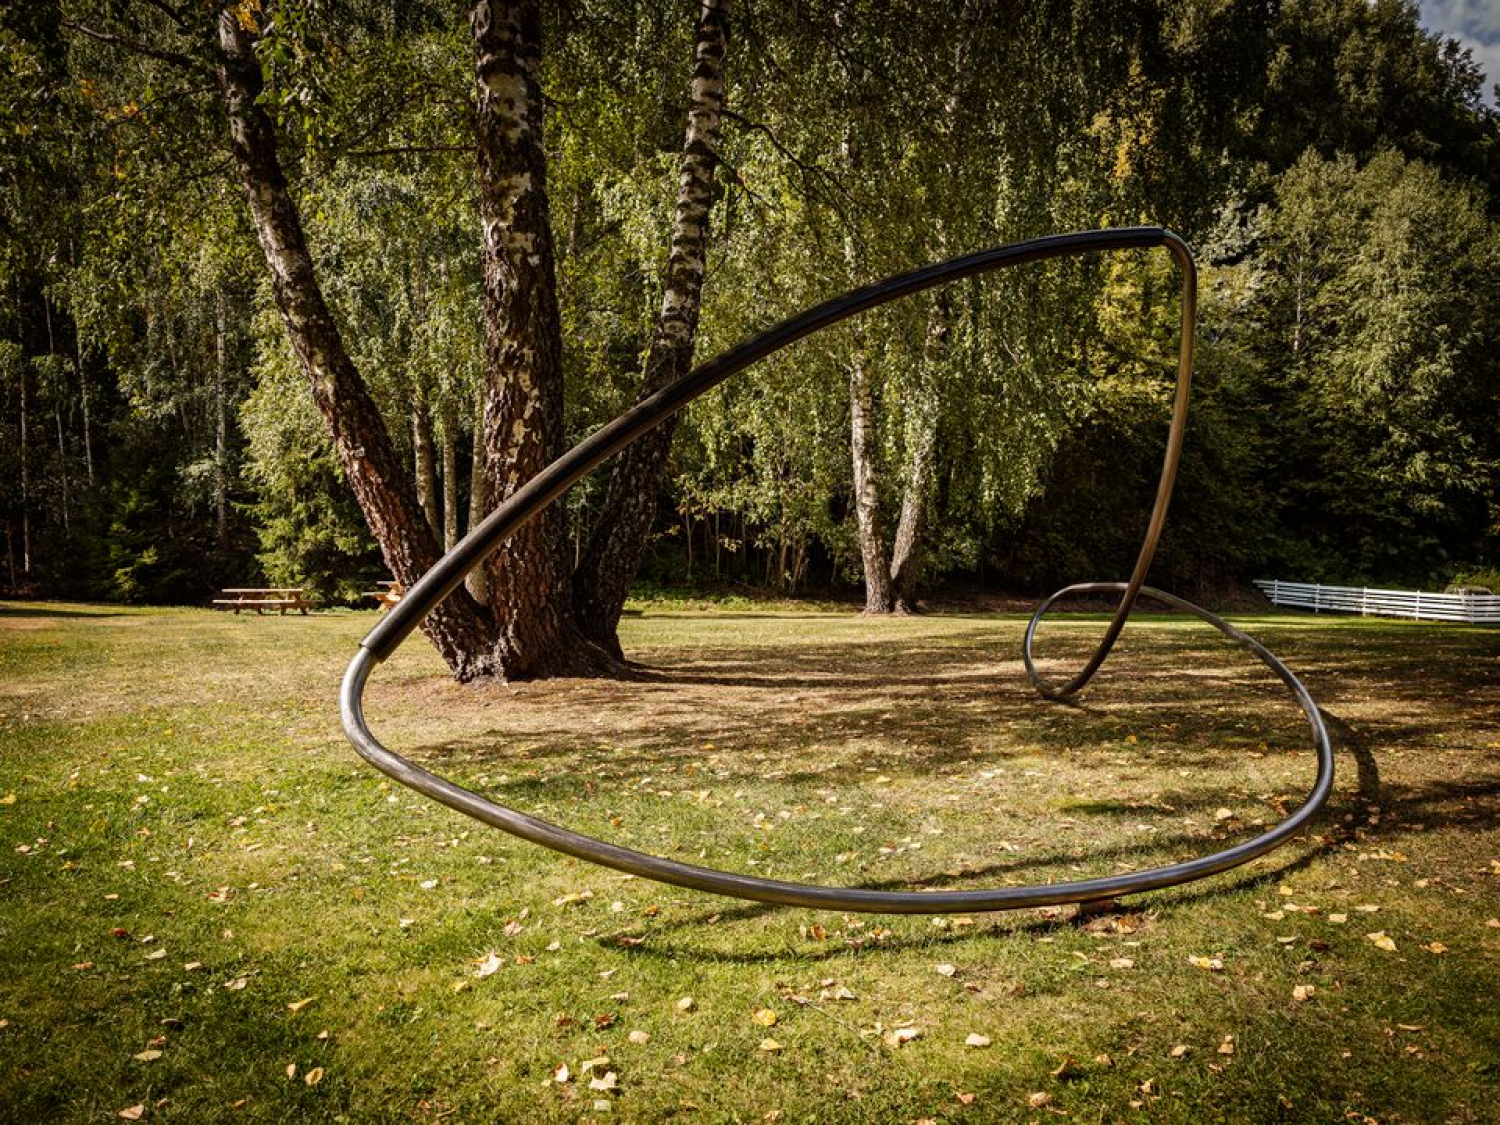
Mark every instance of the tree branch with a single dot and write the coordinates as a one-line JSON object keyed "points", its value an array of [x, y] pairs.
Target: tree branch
{"points": [[172, 58]]}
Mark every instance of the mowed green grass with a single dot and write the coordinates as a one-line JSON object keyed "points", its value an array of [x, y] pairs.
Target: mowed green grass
{"points": [[206, 900]]}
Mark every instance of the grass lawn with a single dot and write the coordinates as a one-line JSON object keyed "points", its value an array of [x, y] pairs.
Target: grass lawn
{"points": [[211, 910]]}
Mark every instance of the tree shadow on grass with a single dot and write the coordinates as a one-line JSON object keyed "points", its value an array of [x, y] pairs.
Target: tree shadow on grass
{"points": [[10, 609], [1355, 815]]}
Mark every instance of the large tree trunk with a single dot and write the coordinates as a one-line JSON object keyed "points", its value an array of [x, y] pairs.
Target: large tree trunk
{"points": [[382, 488], [613, 554], [529, 589]]}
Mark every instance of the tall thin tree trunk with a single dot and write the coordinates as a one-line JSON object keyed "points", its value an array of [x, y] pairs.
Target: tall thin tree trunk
{"points": [[878, 595], [385, 493], [618, 542], [57, 397], [529, 589], [83, 382], [424, 466], [479, 499], [25, 479], [221, 420], [922, 424], [448, 420]]}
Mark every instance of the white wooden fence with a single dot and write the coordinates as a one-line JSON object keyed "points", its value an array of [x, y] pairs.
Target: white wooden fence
{"points": [[1478, 609]]}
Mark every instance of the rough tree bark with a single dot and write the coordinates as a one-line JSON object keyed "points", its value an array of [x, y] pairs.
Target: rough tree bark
{"points": [[529, 588], [618, 541], [371, 463]]}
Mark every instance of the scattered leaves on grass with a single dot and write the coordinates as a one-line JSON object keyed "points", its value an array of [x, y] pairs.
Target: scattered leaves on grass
{"points": [[974, 1039], [1303, 992], [765, 1017], [1338, 919], [562, 1074], [313, 1076], [897, 1036], [608, 1083], [687, 1004], [1381, 940], [1179, 1051], [237, 984], [1210, 964], [298, 1005], [769, 1045], [1039, 1099], [488, 965], [573, 898], [1226, 1045], [1121, 963], [945, 970], [146, 1056], [639, 1036], [8, 799], [1435, 947], [132, 1112]]}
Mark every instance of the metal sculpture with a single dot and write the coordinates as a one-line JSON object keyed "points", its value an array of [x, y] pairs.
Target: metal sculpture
{"points": [[552, 481]]}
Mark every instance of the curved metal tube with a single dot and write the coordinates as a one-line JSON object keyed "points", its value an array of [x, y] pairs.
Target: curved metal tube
{"points": [[531, 499]]}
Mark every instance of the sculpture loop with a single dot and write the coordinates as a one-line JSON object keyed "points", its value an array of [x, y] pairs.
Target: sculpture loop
{"points": [[527, 502]]}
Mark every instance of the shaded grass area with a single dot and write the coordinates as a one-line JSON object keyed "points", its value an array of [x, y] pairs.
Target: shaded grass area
{"points": [[195, 864]]}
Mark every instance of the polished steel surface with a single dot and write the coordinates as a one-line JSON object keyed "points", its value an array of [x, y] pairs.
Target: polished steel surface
{"points": [[552, 481]]}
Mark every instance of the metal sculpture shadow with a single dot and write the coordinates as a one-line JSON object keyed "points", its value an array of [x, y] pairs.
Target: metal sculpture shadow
{"points": [[552, 481]]}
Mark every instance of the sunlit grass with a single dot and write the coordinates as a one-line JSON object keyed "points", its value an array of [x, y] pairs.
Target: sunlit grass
{"points": [[179, 775]]}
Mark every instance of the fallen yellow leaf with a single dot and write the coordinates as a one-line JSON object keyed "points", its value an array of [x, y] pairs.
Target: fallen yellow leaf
{"points": [[147, 1056], [769, 1045], [132, 1112], [313, 1076], [765, 1017], [298, 1005], [1382, 941], [976, 1040], [1303, 992]]}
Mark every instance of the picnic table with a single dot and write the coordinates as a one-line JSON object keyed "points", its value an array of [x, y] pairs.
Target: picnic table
{"points": [[263, 598], [388, 595]]}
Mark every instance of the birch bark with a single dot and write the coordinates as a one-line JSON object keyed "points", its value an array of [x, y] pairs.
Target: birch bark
{"points": [[613, 555], [370, 461]]}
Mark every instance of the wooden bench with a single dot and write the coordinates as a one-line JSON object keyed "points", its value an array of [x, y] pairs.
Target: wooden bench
{"points": [[388, 595], [263, 598]]}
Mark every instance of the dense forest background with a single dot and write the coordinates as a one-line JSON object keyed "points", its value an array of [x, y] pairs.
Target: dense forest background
{"points": [[1334, 166]]}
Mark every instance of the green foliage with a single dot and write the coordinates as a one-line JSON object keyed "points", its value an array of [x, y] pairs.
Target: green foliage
{"points": [[1332, 162]]}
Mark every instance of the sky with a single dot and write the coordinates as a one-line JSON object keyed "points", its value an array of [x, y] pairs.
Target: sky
{"points": [[1475, 24]]}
